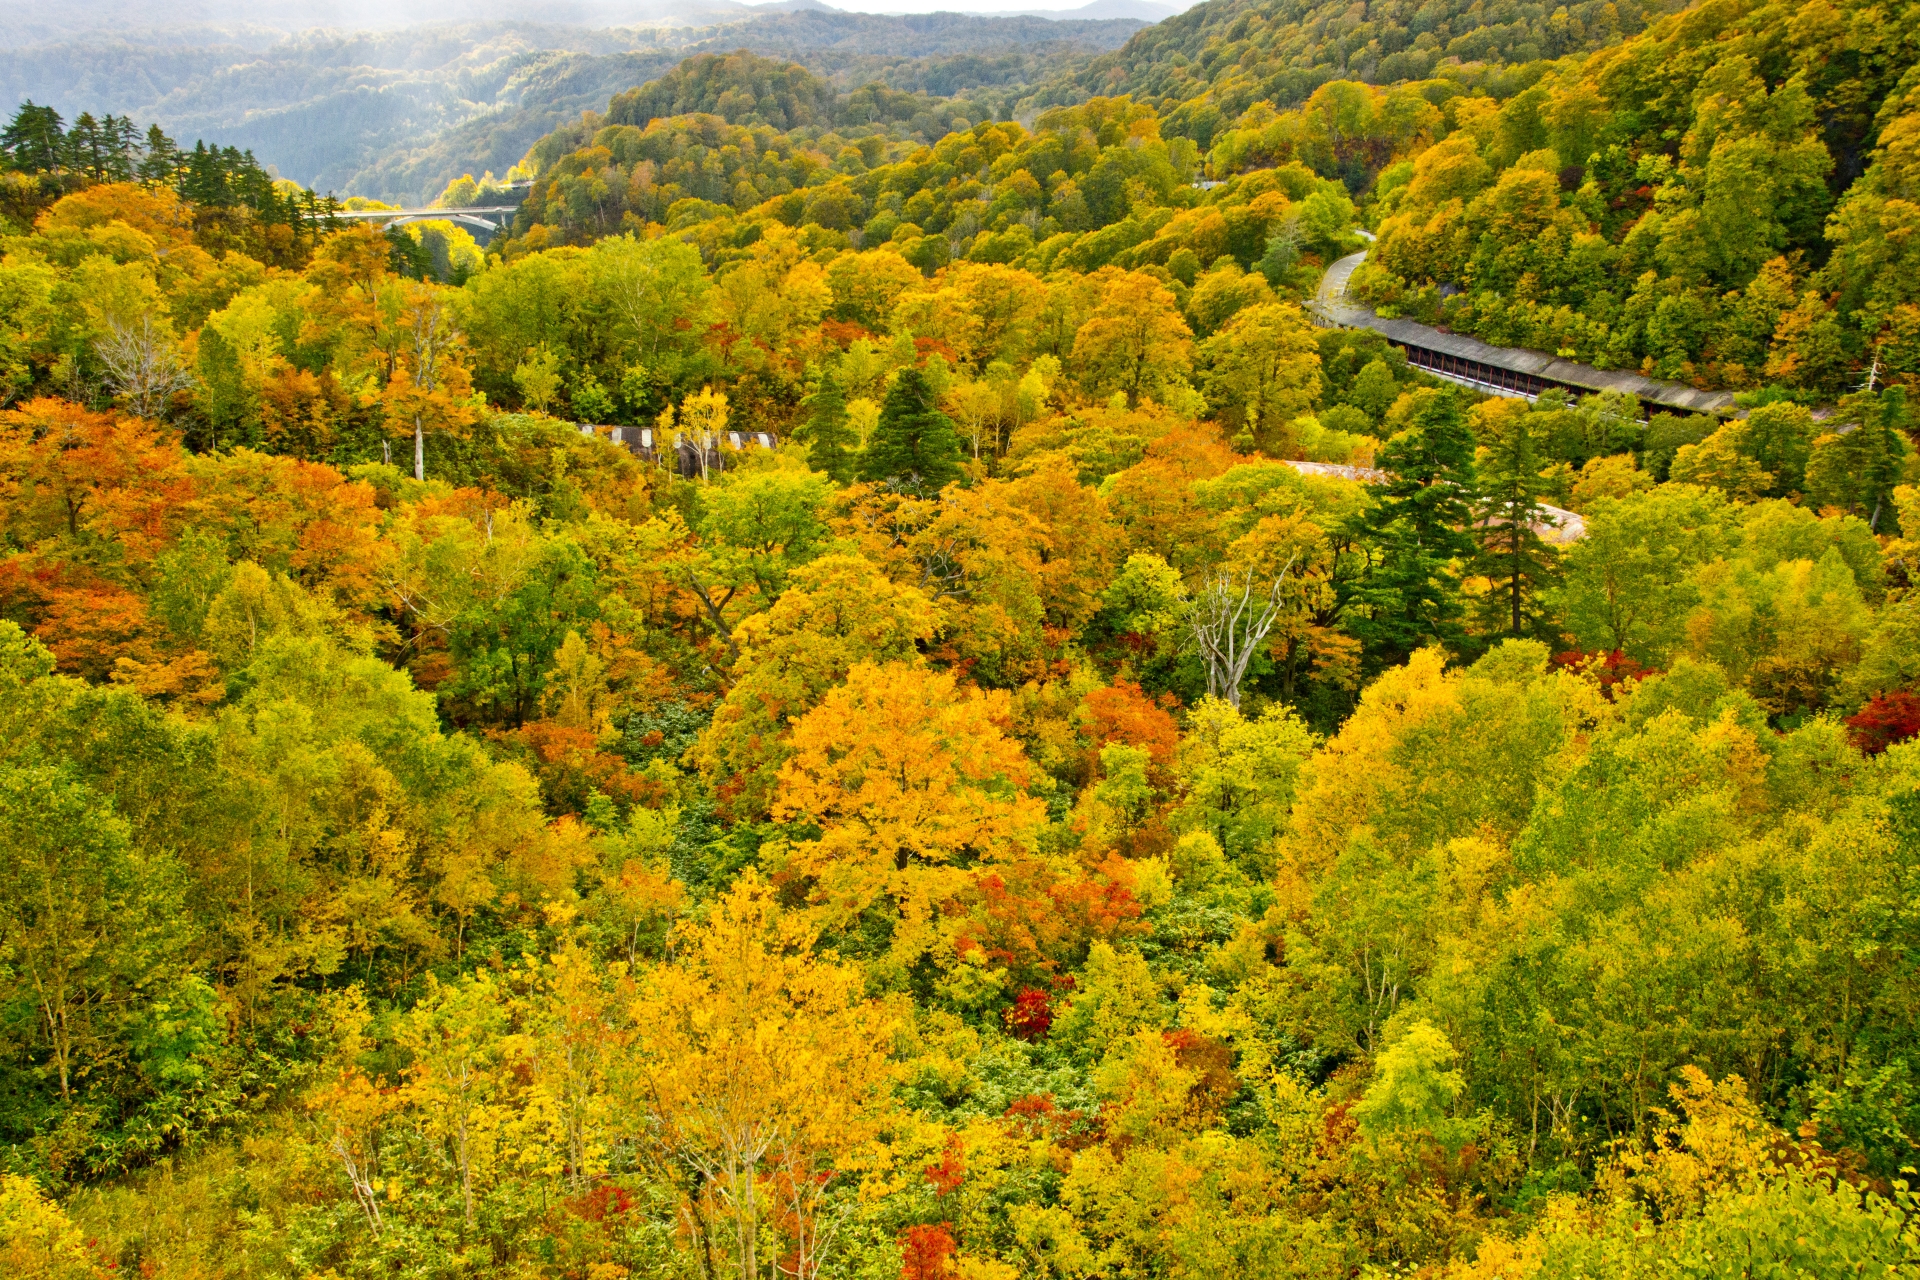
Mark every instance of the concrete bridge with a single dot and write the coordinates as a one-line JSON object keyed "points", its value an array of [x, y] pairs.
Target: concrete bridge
{"points": [[491, 218], [1491, 370]]}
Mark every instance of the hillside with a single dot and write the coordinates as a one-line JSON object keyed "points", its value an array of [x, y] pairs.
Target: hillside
{"points": [[871, 691], [1204, 67], [398, 114]]}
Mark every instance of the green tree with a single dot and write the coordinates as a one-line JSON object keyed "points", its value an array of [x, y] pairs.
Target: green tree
{"points": [[505, 647], [83, 923], [1779, 437], [756, 529], [35, 139], [1418, 529], [914, 442], [1265, 365], [827, 451], [1858, 467], [1413, 1083], [1516, 561], [160, 161], [1628, 583]]}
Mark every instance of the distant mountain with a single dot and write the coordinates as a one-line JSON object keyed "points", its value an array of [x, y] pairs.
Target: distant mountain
{"points": [[396, 114], [179, 20], [1138, 10], [938, 54]]}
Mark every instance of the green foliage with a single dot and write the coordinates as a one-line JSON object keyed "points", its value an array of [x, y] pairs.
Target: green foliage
{"points": [[1411, 592], [828, 434], [788, 843], [1413, 1086], [914, 443]]}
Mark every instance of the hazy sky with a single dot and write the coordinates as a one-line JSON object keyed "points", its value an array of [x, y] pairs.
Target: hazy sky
{"points": [[967, 6], [30, 22]]}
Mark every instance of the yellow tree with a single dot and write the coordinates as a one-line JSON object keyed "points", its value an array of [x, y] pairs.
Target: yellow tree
{"points": [[910, 780], [455, 1037], [703, 424], [1134, 340], [1265, 367], [765, 1070], [351, 1108], [428, 388], [977, 408], [840, 610], [343, 313], [577, 1037]]}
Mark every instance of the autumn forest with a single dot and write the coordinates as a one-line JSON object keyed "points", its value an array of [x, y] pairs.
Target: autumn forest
{"points": [[870, 689]]}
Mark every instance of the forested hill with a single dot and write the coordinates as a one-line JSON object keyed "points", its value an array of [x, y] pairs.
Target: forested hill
{"points": [[1219, 58], [399, 113], [1718, 199], [864, 694]]}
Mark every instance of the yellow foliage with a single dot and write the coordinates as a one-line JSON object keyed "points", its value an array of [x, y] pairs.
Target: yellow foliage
{"points": [[37, 1239], [903, 772]]}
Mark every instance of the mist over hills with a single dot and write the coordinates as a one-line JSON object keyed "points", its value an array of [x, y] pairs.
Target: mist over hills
{"points": [[395, 111]]}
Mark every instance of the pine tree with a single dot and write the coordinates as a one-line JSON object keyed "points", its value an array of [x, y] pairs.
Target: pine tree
{"points": [[201, 178], [407, 256], [913, 442], [827, 423], [1857, 467], [35, 139], [1418, 530], [88, 147], [123, 145], [1514, 559], [161, 163]]}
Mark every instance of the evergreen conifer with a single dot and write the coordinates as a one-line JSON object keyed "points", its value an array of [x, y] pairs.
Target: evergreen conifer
{"points": [[914, 443], [827, 422], [1420, 523]]}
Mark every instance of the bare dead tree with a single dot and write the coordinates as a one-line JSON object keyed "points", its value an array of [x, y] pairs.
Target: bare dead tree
{"points": [[143, 367], [1230, 620]]}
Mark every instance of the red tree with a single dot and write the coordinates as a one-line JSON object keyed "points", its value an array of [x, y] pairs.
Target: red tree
{"points": [[1890, 718], [925, 1252]]}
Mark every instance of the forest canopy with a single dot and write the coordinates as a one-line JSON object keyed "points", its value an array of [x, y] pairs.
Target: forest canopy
{"points": [[863, 695]]}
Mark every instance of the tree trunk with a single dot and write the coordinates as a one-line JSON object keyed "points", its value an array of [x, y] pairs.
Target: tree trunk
{"points": [[419, 451]]}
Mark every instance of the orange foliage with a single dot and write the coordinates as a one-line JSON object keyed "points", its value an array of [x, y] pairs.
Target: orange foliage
{"points": [[1122, 712], [926, 1252], [1075, 541], [1154, 503], [304, 519], [571, 766], [906, 775], [1033, 921], [90, 629], [153, 211], [302, 413], [66, 471]]}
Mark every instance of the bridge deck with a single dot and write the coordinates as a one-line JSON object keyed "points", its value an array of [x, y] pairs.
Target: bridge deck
{"points": [[1512, 371]]}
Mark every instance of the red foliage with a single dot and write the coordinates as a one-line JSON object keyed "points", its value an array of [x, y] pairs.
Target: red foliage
{"points": [[1036, 1117], [924, 347], [1889, 719], [1609, 669], [1209, 1059], [947, 1175], [1032, 1014], [926, 1252], [601, 1203]]}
